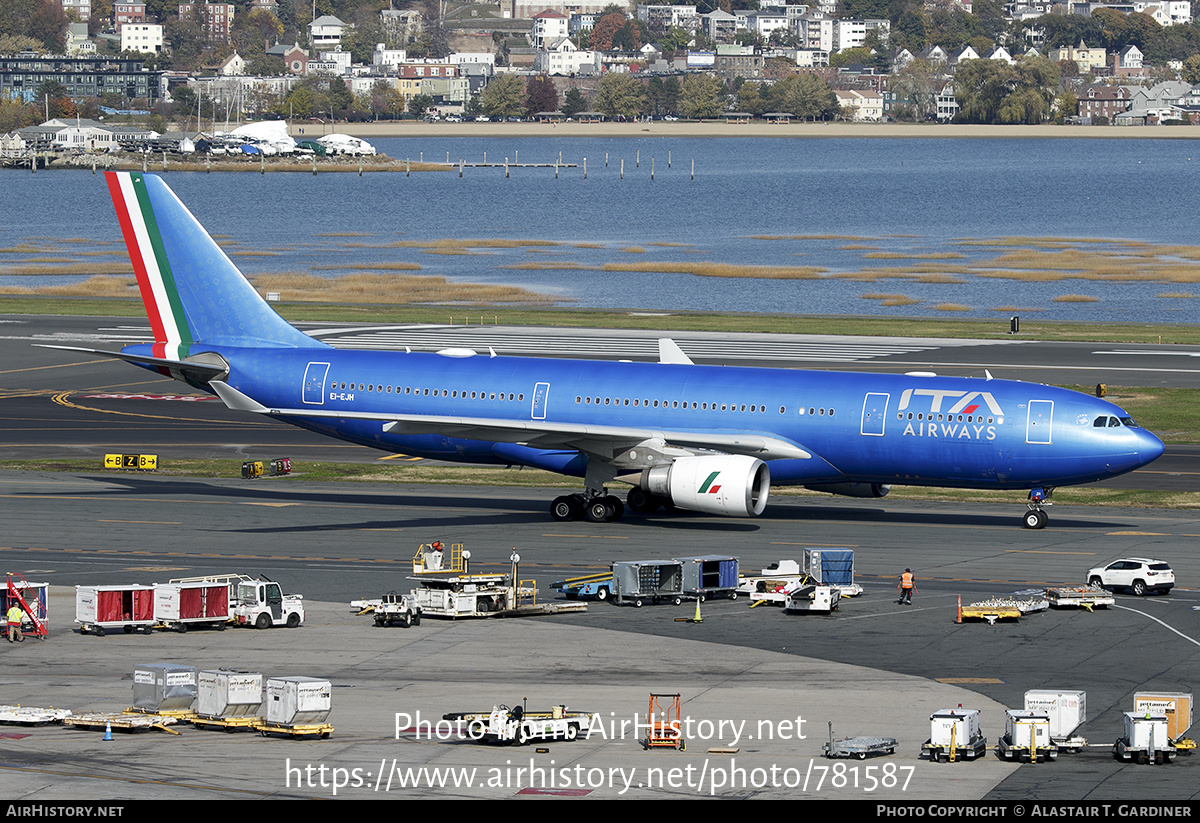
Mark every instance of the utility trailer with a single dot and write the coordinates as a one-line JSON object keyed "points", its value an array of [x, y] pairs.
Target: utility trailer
{"points": [[182, 605], [1145, 740], [586, 587], [101, 608], [954, 734], [1080, 597], [518, 725], [1026, 737], [453, 591], [858, 747], [709, 575], [772, 583], [637, 581]]}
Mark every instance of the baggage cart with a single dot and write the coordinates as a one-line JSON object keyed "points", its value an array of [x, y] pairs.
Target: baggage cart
{"points": [[1080, 597], [102, 608], [586, 587], [955, 735], [182, 605], [1026, 737], [520, 726], [859, 747], [637, 581], [709, 575]]}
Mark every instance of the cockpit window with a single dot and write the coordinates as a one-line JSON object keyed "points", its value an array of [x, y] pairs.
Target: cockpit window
{"points": [[1100, 422], [1128, 421], [1113, 422]]}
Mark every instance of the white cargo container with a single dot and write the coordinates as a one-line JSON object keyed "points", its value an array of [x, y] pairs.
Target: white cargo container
{"points": [[1067, 711], [954, 734], [227, 694], [1026, 737], [298, 700], [164, 687], [128, 607]]}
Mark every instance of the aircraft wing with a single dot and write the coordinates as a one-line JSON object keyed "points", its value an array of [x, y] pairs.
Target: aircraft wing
{"points": [[605, 441]]}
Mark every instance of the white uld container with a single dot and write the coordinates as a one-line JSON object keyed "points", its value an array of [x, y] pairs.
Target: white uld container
{"points": [[164, 687], [962, 723], [1027, 729], [1145, 731], [226, 694], [295, 701], [1067, 710]]}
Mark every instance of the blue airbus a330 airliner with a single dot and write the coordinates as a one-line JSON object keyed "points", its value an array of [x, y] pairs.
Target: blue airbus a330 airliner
{"points": [[701, 438]]}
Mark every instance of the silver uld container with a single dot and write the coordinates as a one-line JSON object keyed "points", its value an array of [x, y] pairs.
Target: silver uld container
{"points": [[294, 701], [226, 694], [164, 687]]}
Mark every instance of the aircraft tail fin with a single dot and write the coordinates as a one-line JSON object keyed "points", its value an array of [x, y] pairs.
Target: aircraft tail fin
{"points": [[193, 292]]}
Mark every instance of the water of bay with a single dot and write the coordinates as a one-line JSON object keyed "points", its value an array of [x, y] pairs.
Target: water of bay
{"points": [[868, 215]]}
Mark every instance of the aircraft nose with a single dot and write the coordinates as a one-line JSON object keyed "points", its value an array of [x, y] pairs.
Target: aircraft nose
{"points": [[1149, 448]]}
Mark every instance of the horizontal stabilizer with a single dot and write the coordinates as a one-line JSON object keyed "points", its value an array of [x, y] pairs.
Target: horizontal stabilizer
{"points": [[202, 372]]}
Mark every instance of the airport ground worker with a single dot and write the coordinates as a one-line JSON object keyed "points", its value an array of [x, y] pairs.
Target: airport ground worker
{"points": [[15, 616], [906, 587]]}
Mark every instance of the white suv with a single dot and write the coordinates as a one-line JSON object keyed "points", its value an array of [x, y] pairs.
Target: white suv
{"points": [[1138, 574]]}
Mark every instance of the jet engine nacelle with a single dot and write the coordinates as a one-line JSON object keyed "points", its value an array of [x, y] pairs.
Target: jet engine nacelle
{"points": [[854, 489], [733, 485]]}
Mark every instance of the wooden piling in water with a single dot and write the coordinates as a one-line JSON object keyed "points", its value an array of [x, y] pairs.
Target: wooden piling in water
{"points": [[622, 168]]}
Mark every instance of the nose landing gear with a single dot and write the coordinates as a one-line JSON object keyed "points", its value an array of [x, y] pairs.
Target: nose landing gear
{"points": [[1036, 517]]}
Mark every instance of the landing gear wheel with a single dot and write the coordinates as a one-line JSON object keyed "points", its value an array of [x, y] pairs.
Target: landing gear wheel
{"points": [[565, 508], [615, 506], [1036, 519], [641, 501], [598, 511]]}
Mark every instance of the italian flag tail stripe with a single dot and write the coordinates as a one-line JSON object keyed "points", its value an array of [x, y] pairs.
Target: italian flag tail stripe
{"points": [[172, 337]]}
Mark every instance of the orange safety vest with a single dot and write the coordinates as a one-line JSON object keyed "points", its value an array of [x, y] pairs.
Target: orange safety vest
{"points": [[906, 580]]}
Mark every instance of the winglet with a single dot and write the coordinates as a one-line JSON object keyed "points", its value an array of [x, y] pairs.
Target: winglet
{"points": [[669, 352]]}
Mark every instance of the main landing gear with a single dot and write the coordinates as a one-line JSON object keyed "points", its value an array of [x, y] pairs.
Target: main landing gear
{"points": [[598, 508], [1036, 517]]}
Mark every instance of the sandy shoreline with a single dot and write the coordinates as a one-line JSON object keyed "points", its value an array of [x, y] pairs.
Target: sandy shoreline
{"points": [[408, 128]]}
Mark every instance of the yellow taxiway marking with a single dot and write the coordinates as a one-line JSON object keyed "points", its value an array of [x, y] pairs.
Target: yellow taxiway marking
{"points": [[406, 458], [58, 366], [965, 680], [152, 522], [1140, 534]]}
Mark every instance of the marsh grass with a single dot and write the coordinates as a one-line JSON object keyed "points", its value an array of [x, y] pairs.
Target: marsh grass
{"points": [[1075, 298], [633, 250], [98, 286], [933, 255], [1176, 294], [66, 270], [951, 307]]}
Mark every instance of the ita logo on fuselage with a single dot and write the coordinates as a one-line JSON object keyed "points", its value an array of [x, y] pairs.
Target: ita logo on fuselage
{"points": [[963, 420]]}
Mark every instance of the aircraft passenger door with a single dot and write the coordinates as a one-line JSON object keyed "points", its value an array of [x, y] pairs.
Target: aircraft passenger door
{"points": [[874, 414], [1041, 415], [541, 393], [314, 384]]}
